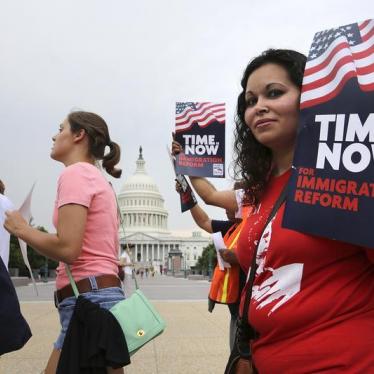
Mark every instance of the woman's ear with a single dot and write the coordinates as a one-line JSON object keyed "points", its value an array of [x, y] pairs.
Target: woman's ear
{"points": [[79, 135]]}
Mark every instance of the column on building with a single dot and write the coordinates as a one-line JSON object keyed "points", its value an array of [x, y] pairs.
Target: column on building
{"points": [[145, 251], [136, 252], [165, 251]]}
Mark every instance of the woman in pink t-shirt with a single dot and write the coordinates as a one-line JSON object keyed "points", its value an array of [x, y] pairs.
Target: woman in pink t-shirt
{"points": [[85, 217]]}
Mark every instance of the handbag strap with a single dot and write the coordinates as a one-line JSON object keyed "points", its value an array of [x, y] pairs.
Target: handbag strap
{"points": [[251, 278], [72, 281], [123, 230]]}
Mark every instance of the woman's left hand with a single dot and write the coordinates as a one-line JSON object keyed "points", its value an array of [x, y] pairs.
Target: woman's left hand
{"points": [[228, 256], [14, 222]]}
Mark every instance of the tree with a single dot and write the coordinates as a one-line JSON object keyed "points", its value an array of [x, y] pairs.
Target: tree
{"points": [[15, 256], [36, 260], [208, 260]]}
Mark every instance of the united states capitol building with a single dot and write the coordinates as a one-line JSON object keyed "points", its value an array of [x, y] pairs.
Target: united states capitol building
{"points": [[145, 220]]}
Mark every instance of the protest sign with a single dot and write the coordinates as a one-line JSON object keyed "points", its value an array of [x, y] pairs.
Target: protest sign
{"points": [[187, 196], [331, 191], [200, 129]]}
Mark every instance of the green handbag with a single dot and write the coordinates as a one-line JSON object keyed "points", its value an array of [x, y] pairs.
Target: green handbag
{"points": [[139, 320]]}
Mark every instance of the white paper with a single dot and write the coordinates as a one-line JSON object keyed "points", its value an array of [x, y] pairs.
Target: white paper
{"points": [[25, 211], [220, 244]]}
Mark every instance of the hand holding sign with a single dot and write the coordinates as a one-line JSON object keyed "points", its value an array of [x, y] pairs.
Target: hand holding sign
{"points": [[176, 148], [187, 197]]}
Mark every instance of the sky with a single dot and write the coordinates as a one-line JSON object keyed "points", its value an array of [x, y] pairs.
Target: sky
{"points": [[130, 61]]}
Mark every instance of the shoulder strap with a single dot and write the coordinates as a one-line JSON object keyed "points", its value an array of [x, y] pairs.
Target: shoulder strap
{"points": [[123, 230], [251, 278], [72, 281]]}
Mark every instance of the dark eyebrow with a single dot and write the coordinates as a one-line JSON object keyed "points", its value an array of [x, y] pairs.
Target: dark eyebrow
{"points": [[270, 84], [267, 87]]}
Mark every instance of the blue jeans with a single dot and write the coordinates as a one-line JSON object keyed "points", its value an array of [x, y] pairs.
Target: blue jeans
{"points": [[105, 297]]}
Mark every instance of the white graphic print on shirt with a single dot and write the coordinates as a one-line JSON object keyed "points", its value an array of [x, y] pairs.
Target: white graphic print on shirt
{"points": [[284, 282]]}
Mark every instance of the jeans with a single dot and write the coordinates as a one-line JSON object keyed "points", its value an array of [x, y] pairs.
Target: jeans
{"points": [[105, 297]]}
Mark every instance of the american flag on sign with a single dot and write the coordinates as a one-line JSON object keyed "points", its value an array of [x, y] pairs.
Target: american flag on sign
{"points": [[204, 114], [337, 55]]}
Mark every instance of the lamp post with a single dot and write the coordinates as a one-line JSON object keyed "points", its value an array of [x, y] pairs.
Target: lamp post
{"points": [[172, 265], [185, 265], [46, 271], [210, 265]]}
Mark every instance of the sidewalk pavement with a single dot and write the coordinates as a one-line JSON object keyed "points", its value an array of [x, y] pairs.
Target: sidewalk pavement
{"points": [[195, 341]]}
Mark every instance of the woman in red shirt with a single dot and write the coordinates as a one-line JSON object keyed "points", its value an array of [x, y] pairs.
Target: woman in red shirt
{"points": [[312, 300]]}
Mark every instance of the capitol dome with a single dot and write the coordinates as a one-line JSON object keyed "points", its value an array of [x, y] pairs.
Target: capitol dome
{"points": [[145, 235], [141, 204]]}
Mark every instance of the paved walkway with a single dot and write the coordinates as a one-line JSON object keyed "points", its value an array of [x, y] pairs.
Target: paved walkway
{"points": [[156, 288], [195, 341]]}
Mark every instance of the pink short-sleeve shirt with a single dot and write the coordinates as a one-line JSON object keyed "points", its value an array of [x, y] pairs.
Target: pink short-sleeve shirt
{"points": [[83, 184]]}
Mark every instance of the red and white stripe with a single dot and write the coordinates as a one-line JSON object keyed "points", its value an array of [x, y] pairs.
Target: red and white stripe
{"points": [[325, 76], [205, 114]]}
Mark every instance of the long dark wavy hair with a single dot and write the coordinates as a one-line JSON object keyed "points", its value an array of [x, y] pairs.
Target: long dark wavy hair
{"points": [[252, 160]]}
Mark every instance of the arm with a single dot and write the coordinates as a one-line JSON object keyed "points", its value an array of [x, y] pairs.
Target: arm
{"points": [[65, 245], [197, 213], [210, 196], [201, 218]]}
